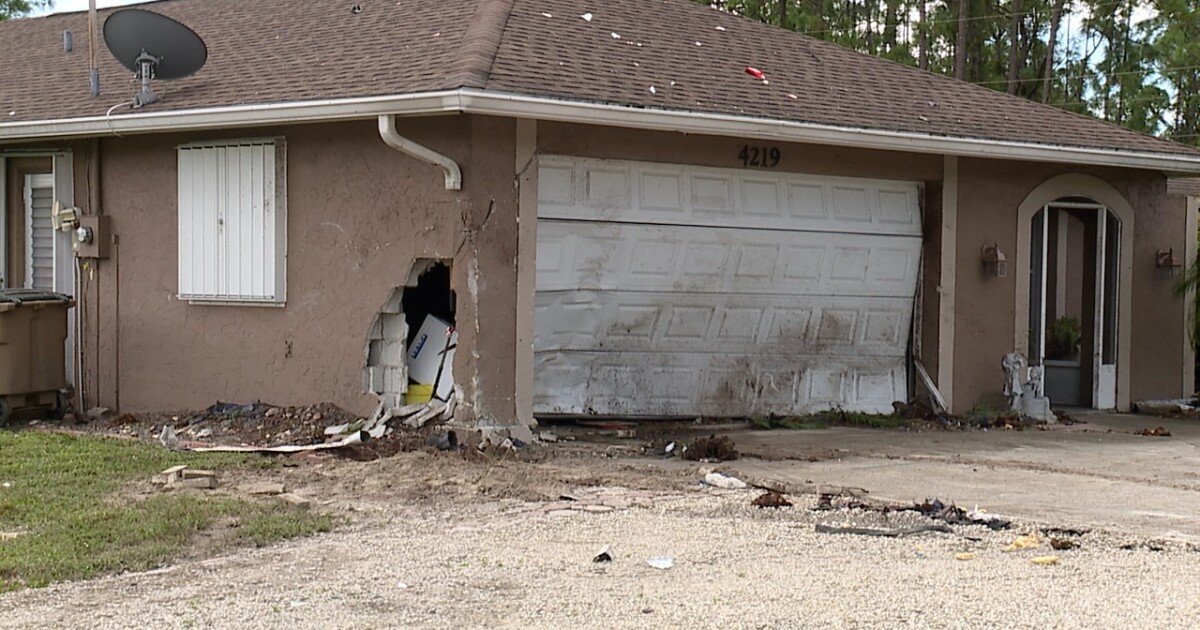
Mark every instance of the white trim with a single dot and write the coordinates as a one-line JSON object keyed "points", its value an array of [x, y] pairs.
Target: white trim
{"points": [[475, 101], [36, 180], [1046, 193], [1191, 223], [3, 222], [65, 270], [948, 280]]}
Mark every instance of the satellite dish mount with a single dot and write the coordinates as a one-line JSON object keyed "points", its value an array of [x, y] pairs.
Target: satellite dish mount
{"points": [[154, 47], [146, 65]]}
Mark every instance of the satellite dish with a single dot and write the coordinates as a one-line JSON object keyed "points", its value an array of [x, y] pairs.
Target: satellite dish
{"points": [[153, 46]]}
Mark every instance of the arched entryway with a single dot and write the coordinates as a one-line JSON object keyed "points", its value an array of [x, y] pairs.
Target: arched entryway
{"points": [[1075, 238]]}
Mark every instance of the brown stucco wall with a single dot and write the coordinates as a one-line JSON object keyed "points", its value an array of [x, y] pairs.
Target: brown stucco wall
{"points": [[989, 193], [359, 213]]}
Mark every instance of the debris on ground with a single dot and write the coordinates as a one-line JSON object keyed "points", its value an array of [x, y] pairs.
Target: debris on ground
{"points": [[184, 477], [443, 441], [1062, 544], [296, 500], [711, 448], [1155, 432], [1030, 541], [1065, 531], [884, 533], [604, 555], [1045, 560], [225, 423], [964, 556], [771, 500], [950, 513], [1175, 408], [661, 562], [264, 488], [718, 480]]}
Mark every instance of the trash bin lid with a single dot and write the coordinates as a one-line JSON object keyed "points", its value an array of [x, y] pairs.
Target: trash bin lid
{"points": [[21, 296]]}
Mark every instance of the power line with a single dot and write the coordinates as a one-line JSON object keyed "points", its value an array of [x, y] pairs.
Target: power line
{"points": [[1085, 76], [974, 18]]}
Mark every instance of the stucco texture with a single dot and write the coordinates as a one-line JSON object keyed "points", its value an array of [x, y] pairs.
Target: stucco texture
{"points": [[359, 214], [990, 191]]}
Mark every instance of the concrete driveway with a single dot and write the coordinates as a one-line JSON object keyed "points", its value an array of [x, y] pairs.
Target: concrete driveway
{"points": [[1098, 474]]}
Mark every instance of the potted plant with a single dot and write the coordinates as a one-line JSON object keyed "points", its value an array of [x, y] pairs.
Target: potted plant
{"points": [[1063, 338]]}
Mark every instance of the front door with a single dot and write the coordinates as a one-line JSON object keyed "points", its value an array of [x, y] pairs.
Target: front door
{"points": [[1073, 302]]}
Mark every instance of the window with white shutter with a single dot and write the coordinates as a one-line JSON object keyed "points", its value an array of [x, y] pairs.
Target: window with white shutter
{"points": [[233, 222], [39, 252]]}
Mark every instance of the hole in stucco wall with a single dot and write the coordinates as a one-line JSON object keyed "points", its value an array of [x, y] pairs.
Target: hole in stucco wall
{"points": [[426, 294]]}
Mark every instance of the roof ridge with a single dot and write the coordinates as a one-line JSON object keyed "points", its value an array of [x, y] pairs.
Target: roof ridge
{"points": [[481, 42]]}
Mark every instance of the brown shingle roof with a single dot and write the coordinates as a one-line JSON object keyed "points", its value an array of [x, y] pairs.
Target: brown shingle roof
{"points": [[695, 59]]}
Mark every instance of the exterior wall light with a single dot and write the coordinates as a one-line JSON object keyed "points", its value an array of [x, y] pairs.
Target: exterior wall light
{"points": [[995, 263], [1168, 263]]}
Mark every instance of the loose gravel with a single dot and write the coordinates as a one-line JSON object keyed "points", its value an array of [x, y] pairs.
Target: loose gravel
{"points": [[498, 562]]}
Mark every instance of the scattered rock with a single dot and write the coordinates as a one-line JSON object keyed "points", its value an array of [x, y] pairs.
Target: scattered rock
{"points": [[771, 500], [1155, 432], [1024, 542], [604, 555], [712, 448], [296, 500], [270, 488], [718, 480], [1045, 560], [661, 562], [1062, 544], [203, 483], [964, 556]]}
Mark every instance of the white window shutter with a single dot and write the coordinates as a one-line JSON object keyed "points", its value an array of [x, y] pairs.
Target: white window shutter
{"points": [[232, 222]]}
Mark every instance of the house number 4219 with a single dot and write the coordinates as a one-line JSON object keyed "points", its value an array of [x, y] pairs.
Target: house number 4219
{"points": [[760, 157]]}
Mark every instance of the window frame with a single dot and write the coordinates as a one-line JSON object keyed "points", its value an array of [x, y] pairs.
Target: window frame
{"points": [[279, 299]]}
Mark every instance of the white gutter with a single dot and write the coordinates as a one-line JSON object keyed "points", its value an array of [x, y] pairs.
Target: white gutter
{"points": [[387, 131], [475, 101]]}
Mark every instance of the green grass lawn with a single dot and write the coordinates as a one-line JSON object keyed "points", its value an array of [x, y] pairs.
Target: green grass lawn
{"points": [[62, 518]]}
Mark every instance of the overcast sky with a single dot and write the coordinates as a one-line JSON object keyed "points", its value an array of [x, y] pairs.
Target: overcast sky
{"points": [[63, 6]]}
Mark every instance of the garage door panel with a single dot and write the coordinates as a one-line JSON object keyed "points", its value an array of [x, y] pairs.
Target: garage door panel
{"points": [[667, 290], [605, 190], [605, 321], [687, 385], [654, 258]]}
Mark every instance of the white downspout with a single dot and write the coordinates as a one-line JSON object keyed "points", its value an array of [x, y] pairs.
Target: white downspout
{"points": [[387, 131]]}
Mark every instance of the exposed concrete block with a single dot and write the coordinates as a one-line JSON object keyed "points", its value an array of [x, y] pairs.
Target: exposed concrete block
{"points": [[395, 379], [393, 303], [394, 327], [391, 354], [376, 329], [264, 487], [374, 352], [377, 380]]}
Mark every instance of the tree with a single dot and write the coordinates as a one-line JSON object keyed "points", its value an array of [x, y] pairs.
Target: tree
{"points": [[1051, 44], [18, 8]]}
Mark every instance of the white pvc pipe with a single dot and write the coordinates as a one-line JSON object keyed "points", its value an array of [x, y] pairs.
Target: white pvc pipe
{"points": [[387, 131]]}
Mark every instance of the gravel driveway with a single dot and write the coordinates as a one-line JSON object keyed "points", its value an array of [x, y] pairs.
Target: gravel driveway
{"points": [[472, 560]]}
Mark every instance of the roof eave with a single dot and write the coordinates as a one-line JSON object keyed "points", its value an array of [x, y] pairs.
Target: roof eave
{"points": [[487, 102]]}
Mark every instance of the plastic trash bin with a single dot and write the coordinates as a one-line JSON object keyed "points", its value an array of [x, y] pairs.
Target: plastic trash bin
{"points": [[33, 335]]}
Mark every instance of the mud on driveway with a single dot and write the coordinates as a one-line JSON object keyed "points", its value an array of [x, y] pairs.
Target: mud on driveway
{"points": [[450, 540]]}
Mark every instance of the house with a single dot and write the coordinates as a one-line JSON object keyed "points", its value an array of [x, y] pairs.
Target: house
{"points": [[637, 208]]}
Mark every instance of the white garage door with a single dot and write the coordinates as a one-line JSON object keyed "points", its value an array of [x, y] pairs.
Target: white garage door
{"points": [[666, 290]]}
